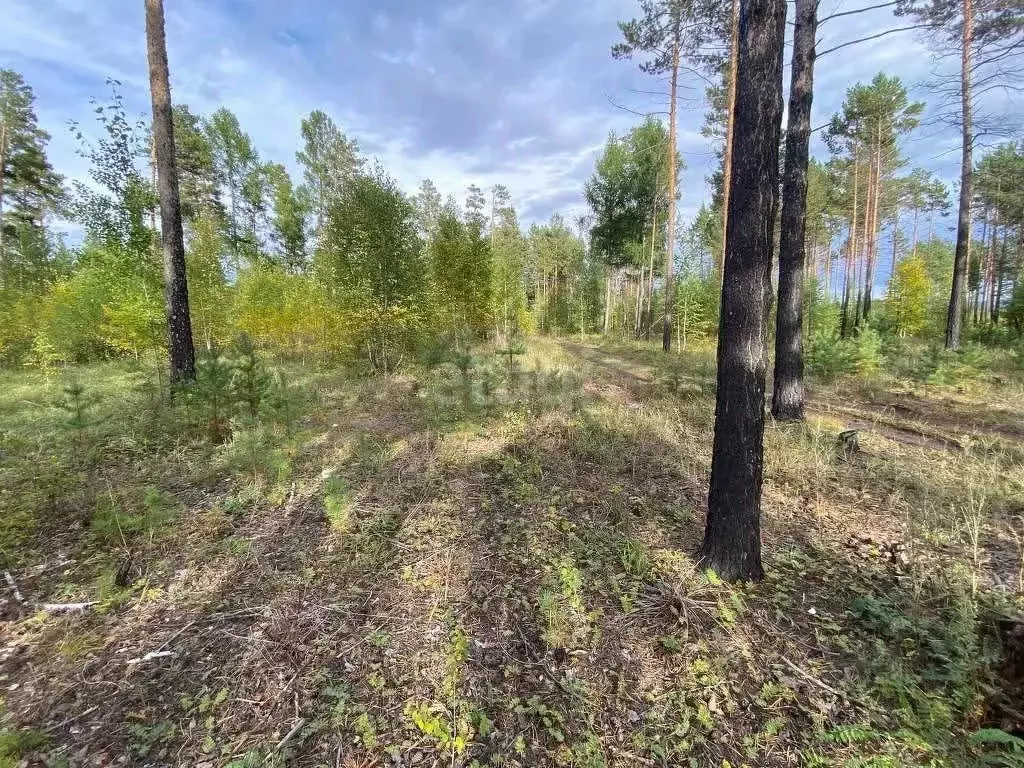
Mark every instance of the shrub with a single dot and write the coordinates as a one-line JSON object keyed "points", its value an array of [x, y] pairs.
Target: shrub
{"points": [[829, 356]]}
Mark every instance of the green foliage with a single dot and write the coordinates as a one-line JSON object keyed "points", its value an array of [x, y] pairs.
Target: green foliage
{"points": [[18, 744], [460, 260], [829, 356], [338, 498], [997, 747], [250, 382], [906, 305], [116, 520], [211, 391], [370, 262]]}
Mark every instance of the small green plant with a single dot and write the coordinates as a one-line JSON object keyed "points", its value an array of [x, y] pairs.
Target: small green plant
{"points": [[116, 520], [280, 398], [147, 740], [464, 365], [513, 349], [993, 746], [338, 497], [15, 745], [43, 355], [212, 391], [635, 559], [250, 382], [76, 405]]}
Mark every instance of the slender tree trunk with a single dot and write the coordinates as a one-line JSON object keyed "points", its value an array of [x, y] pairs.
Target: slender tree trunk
{"points": [[990, 270], [828, 273], [869, 277], [649, 317], [865, 247], [3, 165], [607, 301], [913, 246], [732, 536], [179, 323], [1000, 271], [734, 54], [670, 234], [895, 242], [851, 251], [954, 318], [788, 382]]}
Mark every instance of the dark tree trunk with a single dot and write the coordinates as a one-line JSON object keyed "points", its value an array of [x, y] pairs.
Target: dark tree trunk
{"points": [[954, 318], [788, 383], [179, 323], [732, 537], [734, 55]]}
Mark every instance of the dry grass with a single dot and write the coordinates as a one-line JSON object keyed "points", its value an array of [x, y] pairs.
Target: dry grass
{"points": [[433, 573]]}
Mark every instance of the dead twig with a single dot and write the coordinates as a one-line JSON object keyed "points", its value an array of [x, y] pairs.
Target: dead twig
{"points": [[58, 609], [14, 587], [811, 678], [70, 720], [291, 734]]}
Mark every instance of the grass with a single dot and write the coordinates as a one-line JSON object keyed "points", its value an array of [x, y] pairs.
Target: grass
{"points": [[460, 566]]}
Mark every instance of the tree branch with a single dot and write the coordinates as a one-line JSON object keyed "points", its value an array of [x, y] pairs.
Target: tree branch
{"points": [[875, 37]]}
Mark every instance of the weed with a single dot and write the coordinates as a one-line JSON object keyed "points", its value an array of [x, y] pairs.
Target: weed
{"points": [[636, 559], [338, 499]]}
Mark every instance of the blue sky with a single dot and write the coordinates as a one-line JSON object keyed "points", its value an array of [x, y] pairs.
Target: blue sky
{"points": [[463, 91]]}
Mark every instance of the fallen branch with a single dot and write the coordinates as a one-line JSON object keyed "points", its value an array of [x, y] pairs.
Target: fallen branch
{"points": [[150, 656], [58, 609], [291, 734], [810, 678], [71, 719], [14, 587]]}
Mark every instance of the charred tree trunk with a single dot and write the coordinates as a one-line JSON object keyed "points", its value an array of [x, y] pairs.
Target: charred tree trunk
{"points": [[954, 318], [734, 53], [732, 536], [788, 382], [179, 323]]}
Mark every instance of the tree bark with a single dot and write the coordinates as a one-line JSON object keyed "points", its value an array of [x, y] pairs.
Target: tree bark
{"points": [[732, 536], [649, 316], [954, 318], [734, 53], [872, 257], [788, 381], [990, 269], [844, 328], [179, 324], [670, 234], [3, 165], [1000, 271]]}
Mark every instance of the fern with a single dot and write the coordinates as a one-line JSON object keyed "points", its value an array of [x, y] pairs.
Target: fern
{"points": [[856, 733], [998, 747]]}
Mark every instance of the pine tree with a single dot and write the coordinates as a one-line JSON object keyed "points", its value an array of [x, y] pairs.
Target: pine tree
{"points": [[732, 536], [788, 381], [179, 322], [25, 174]]}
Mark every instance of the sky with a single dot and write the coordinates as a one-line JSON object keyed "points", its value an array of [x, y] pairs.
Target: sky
{"points": [[518, 92]]}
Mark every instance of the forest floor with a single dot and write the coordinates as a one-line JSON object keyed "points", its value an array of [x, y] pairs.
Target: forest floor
{"points": [[494, 567]]}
